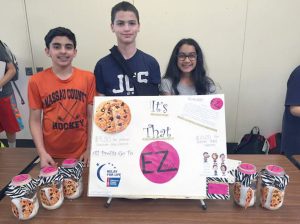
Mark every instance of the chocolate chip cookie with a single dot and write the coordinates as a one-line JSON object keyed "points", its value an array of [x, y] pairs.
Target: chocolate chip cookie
{"points": [[54, 196], [112, 116], [70, 187], [27, 207]]}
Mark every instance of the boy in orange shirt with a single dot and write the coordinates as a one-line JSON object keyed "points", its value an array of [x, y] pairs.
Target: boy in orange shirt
{"points": [[61, 101]]}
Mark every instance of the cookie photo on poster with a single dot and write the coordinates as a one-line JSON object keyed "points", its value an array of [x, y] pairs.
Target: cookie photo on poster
{"points": [[112, 116]]}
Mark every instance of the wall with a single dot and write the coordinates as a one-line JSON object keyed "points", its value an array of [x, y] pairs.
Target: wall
{"points": [[250, 46]]}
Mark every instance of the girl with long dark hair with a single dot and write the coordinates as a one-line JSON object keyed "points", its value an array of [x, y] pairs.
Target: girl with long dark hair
{"points": [[185, 74]]}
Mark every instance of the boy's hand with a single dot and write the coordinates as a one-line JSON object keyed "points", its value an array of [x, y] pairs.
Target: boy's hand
{"points": [[85, 158], [47, 160]]}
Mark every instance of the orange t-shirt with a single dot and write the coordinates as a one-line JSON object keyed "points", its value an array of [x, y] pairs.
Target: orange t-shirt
{"points": [[64, 104]]}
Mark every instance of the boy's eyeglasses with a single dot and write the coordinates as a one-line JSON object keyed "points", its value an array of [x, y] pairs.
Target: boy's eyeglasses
{"points": [[191, 56]]}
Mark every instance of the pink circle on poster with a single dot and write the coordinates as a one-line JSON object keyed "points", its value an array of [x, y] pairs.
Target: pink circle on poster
{"points": [[216, 103], [159, 162]]}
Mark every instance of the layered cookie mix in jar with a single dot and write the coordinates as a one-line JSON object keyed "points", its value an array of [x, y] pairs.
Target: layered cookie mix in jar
{"points": [[273, 183], [22, 191], [244, 187], [72, 172], [51, 188]]}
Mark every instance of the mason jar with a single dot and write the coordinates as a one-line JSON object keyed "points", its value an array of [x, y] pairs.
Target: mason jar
{"points": [[72, 183], [244, 187], [51, 188], [22, 191], [273, 183]]}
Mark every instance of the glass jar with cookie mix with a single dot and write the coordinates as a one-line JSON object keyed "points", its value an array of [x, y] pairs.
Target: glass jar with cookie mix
{"points": [[273, 183], [51, 188], [244, 187], [22, 191], [71, 170]]}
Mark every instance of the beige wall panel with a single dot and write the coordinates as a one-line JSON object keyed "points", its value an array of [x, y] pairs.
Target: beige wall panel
{"points": [[271, 53], [219, 28], [89, 20], [15, 34]]}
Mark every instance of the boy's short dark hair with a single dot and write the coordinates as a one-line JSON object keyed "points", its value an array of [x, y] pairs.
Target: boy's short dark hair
{"points": [[59, 31], [124, 6]]}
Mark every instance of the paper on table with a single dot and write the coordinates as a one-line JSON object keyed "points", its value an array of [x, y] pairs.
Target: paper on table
{"points": [[2, 70]]}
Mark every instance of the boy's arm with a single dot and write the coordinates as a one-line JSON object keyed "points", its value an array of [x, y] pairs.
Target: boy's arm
{"points": [[37, 135], [295, 110], [85, 157], [9, 74]]}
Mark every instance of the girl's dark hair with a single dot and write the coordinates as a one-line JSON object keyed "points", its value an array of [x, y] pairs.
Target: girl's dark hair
{"points": [[202, 82]]}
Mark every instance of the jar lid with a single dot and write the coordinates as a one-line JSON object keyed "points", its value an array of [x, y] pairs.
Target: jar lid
{"points": [[69, 163], [247, 168], [48, 171], [21, 179], [275, 170]]}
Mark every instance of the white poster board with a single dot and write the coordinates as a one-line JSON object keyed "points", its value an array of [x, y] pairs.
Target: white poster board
{"points": [[159, 147]]}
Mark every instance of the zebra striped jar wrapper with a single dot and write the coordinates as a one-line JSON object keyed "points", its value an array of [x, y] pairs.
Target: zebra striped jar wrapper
{"points": [[72, 172], [51, 188], [273, 183], [22, 191], [244, 188]]}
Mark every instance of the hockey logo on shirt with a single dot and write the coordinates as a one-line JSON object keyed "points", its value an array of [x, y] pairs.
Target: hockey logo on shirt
{"points": [[66, 116]]}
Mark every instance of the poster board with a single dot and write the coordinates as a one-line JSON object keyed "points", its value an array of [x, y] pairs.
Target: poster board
{"points": [[159, 147]]}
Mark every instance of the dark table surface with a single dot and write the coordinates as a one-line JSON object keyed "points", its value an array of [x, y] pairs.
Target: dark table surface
{"points": [[13, 161]]}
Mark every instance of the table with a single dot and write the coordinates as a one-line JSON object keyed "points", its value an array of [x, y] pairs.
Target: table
{"points": [[14, 161], [91, 209], [296, 160]]}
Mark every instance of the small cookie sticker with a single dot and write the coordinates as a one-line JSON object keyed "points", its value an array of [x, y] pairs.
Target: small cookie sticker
{"points": [[27, 207], [70, 187], [112, 116], [237, 192], [14, 209], [277, 198], [216, 103], [264, 195], [249, 197], [50, 196]]}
